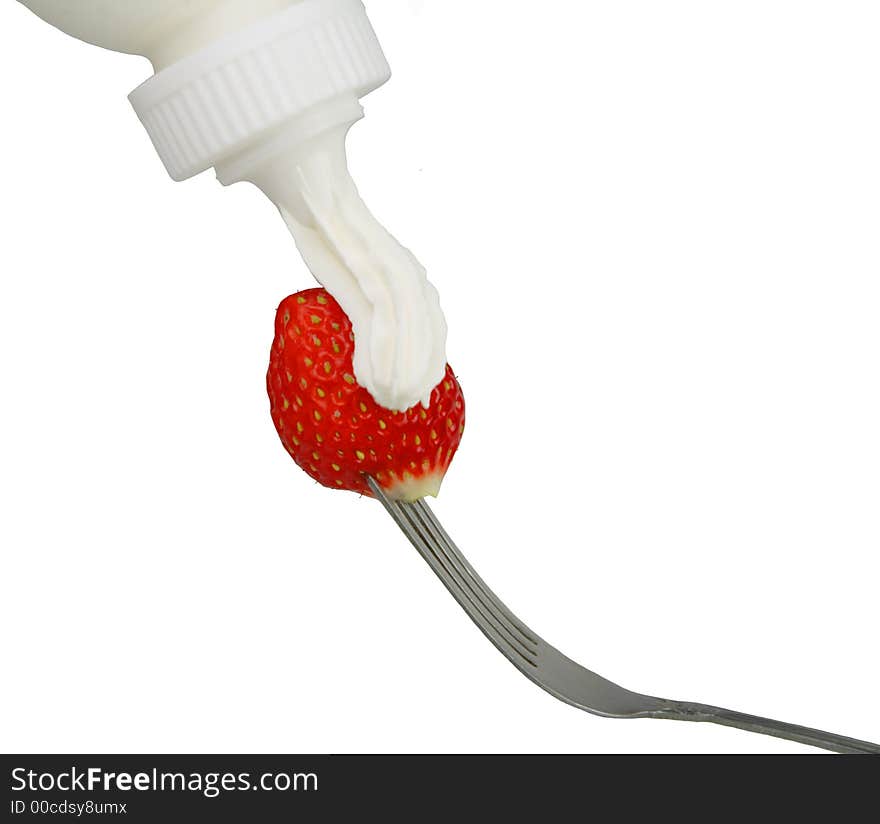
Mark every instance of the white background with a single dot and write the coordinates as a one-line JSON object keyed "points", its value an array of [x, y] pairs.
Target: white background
{"points": [[655, 230]]}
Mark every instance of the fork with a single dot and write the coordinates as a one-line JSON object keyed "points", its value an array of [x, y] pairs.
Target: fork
{"points": [[550, 669]]}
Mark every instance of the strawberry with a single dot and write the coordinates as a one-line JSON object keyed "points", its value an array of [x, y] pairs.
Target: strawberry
{"points": [[333, 428]]}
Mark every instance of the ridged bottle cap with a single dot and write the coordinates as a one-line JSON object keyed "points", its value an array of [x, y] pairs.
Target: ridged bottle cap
{"points": [[239, 89]]}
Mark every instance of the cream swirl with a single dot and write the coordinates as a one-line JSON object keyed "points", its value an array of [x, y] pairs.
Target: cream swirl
{"points": [[399, 327]]}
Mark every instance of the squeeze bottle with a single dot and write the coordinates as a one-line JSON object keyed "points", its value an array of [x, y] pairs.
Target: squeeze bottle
{"points": [[266, 91]]}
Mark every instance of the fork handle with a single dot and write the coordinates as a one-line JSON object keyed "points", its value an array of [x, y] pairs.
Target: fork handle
{"points": [[679, 711]]}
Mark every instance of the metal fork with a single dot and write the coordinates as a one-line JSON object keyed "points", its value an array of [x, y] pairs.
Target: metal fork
{"points": [[550, 669]]}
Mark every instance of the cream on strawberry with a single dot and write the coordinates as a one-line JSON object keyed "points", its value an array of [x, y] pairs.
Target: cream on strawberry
{"points": [[333, 428], [399, 327]]}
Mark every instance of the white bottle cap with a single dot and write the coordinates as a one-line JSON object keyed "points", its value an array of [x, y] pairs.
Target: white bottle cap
{"points": [[238, 91]]}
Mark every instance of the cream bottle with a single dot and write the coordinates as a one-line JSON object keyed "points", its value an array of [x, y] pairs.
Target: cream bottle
{"points": [[266, 91]]}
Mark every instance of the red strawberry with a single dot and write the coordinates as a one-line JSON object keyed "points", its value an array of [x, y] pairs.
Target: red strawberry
{"points": [[333, 428]]}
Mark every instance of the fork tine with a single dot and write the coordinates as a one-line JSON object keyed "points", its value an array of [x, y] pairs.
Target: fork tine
{"points": [[468, 586], [419, 537], [464, 566], [501, 637]]}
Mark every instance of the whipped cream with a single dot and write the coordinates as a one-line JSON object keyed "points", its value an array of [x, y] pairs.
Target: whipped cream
{"points": [[399, 327]]}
